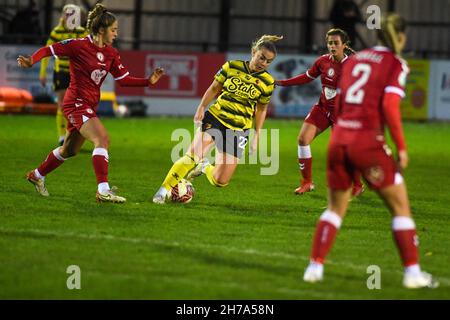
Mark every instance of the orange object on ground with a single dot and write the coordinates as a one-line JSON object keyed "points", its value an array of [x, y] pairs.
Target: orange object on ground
{"points": [[14, 99]]}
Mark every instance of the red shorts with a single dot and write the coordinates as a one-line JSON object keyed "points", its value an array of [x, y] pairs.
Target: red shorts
{"points": [[320, 117], [375, 163], [77, 114]]}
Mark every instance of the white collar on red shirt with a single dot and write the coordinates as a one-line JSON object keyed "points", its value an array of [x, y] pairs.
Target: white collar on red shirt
{"points": [[345, 57], [92, 41]]}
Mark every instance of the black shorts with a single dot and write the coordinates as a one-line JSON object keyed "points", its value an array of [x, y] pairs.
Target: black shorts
{"points": [[227, 140], [61, 80]]}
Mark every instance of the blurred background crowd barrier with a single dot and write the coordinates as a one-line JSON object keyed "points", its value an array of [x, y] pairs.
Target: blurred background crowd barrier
{"points": [[192, 38]]}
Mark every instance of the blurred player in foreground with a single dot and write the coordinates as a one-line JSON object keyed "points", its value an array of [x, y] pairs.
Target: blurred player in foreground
{"points": [[239, 89], [368, 99], [321, 116], [91, 59]]}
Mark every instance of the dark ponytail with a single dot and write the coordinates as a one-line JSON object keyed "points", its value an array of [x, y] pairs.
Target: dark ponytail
{"points": [[98, 18], [344, 38]]}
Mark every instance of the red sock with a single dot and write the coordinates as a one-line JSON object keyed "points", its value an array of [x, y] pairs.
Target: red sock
{"points": [[53, 161], [306, 169], [100, 162], [404, 231], [326, 231]]}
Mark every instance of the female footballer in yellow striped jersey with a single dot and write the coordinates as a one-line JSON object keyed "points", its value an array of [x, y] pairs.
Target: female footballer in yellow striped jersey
{"points": [[239, 90], [61, 75]]}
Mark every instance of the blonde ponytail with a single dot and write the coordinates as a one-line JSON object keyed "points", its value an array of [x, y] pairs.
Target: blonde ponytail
{"points": [[267, 41], [392, 35], [391, 25]]}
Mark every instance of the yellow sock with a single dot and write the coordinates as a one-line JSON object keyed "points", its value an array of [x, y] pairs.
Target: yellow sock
{"points": [[61, 123], [179, 170], [209, 169]]}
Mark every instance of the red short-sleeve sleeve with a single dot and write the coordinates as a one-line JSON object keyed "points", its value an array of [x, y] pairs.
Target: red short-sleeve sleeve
{"points": [[117, 70], [63, 48], [397, 78], [314, 71]]}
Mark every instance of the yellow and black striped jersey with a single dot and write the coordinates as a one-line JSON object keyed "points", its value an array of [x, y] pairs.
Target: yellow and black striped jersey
{"points": [[59, 33], [242, 90]]}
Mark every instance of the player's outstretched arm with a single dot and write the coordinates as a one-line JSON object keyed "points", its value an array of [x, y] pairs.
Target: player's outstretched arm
{"points": [[260, 117], [391, 111], [130, 81], [25, 62], [295, 81], [29, 61], [210, 94]]}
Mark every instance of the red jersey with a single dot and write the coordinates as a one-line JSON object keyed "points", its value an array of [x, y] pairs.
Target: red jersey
{"points": [[366, 77], [330, 71], [89, 65]]}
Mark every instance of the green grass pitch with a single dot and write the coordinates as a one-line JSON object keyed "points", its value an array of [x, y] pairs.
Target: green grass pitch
{"points": [[250, 240]]}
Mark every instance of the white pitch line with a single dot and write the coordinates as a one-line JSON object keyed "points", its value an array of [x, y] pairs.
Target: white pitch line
{"points": [[225, 284], [109, 237]]}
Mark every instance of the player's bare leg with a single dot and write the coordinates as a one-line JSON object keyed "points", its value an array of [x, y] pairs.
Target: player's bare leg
{"points": [[307, 134], [71, 146], [329, 223], [404, 231], [93, 130], [221, 173], [188, 166], [200, 147], [73, 142]]}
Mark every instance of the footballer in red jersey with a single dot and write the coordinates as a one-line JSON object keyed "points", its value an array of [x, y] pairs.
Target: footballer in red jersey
{"points": [[368, 100], [321, 116], [91, 59]]}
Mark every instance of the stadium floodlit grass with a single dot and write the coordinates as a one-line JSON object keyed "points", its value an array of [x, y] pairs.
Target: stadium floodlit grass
{"points": [[250, 240]]}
